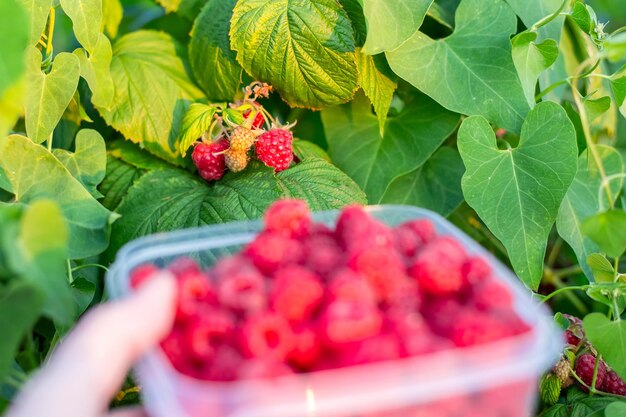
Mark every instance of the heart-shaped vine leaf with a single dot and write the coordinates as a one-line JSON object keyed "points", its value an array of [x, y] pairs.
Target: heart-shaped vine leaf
{"points": [[517, 192], [152, 92], [532, 11], [196, 121], [436, 185], [372, 161], [581, 201], [14, 35], [608, 230], [88, 161], [531, 59], [470, 86], [95, 68], [214, 64], [38, 11], [609, 338], [389, 23], [304, 48], [47, 95], [86, 18], [601, 268]]}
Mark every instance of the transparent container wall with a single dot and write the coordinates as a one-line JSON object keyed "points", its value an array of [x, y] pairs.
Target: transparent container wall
{"points": [[495, 379]]}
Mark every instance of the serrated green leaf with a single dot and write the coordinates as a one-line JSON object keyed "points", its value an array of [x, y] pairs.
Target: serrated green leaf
{"points": [[112, 13], [190, 9], [214, 64], [378, 82], [304, 48], [517, 192], [86, 18], [119, 177], [436, 185], [38, 11], [47, 95], [609, 339], [468, 85], [615, 409], [20, 305], [170, 199], [531, 59], [169, 5], [304, 149], [354, 9], [411, 137], [35, 174], [608, 230], [96, 70], [582, 201], [389, 24], [579, 404], [321, 184], [580, 15], [152, 92], [596, 107], [601, 268], [196, 121], [134, 155], [88, 162], [14, 35]]}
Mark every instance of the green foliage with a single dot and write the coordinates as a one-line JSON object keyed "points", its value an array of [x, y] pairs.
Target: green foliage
{"points": [[38, 11], [608, 230], [13, 31], [609, 338]]}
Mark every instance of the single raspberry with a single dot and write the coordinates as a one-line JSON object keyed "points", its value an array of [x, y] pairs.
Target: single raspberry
{"points": [[348, 285], [174, 347], [224, 366], [241, 139], [382, 268], [416, 336], [267, 336], [258, 121], [207, 331], [274, 148], [194, 290], [584, 367], [322, 254], [404, 297], [236, 161], [271, 251], [476, 269], [262, 369], [239, 285], [441, 312], [289, 217], [209, 159], [614, 384], [297, 293], [491, 295], [409, 237], [140, 275], [381, 347], [346, 321], [306, 349], [356, 230], [575, 332], [437, 267]]}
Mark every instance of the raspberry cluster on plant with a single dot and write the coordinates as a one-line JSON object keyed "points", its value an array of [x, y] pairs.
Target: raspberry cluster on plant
{"points": [[304, 297]]}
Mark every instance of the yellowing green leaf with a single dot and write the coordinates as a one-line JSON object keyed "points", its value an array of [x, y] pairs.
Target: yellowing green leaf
{"points": [[86, 18], [197, 120], [112, 13], [37, 11], [14, 35]]}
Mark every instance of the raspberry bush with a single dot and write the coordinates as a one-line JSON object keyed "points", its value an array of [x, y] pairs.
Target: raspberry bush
{"points": [[123, 118]]}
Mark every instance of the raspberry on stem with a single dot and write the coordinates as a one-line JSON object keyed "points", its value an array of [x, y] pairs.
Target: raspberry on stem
{"points": [[210, 160], [275, 148]]}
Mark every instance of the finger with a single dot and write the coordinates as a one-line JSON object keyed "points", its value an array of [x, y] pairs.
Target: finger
{"points": [[90, 365], [128, 412]]}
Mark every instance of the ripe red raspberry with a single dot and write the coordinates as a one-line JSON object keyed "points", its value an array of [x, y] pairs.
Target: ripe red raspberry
{"points": [[224, 366], [322, 254], [258, 121], [274, 148], [437, 267], [267, 336], [382, 268], [382, 347], [475, 270], [613, 384], [417, 338], [271, 251], [209, 159], [239, 285], [297, 293], [289, 217], [346, 321], [174, 347], [409, 237], [194, 291], [348, 285], [473, 327], [404, 297], [491, 295], [306, 349], [140, 275], [356, 230], [441, 312], [584, 367], [207, 331]]}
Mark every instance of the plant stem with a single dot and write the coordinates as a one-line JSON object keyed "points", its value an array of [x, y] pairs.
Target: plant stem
{"points": [[70, 276], [554, 252], [549, 18], [79, 267], [566, 272], [50, 142]]}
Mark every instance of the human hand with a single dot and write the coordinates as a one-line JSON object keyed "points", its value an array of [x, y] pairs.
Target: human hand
{"points": [[88, 368]]}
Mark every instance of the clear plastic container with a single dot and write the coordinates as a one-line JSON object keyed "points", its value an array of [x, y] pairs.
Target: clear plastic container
{"points": [[498, 379]]}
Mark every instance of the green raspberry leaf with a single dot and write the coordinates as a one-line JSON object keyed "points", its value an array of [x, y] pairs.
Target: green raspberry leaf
{"points": [[372, 161], [472, 70], [615, 409], [609, 338], [86, 18], [33, 174], [378, 82], [304, 48], [582, 201], [517, 192], [88, 162], [321, 184], [214, 64], [14, 35], [152, 92], [196, 121], [531, 59], [47, 95], [119, 177], [37, 11], [608, 230], [389, 23], [436, 185]]}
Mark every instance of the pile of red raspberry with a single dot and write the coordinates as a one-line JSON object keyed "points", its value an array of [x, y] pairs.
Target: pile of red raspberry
{"points": [[303, 297]]}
